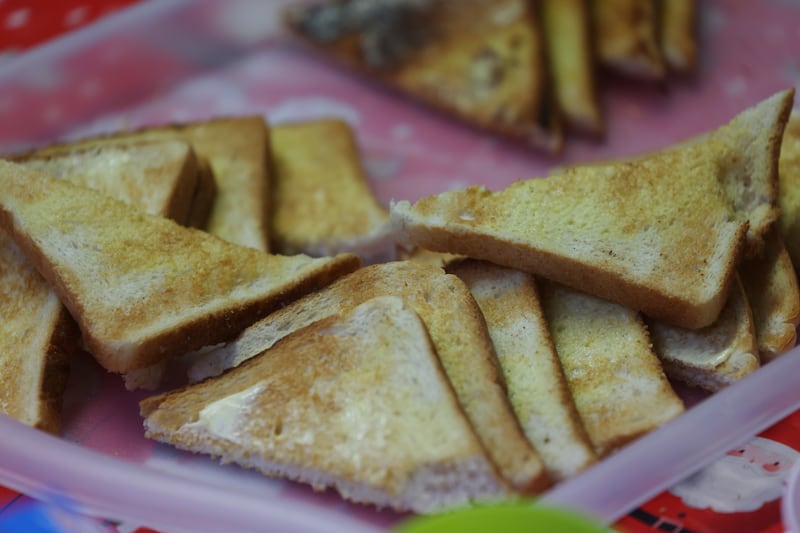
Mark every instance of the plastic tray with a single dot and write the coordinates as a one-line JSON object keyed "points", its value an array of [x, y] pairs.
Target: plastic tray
{"points": [[183, 60]]}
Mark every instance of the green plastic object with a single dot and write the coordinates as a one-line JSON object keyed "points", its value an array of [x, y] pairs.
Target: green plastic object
{"points": [[520, 517]]}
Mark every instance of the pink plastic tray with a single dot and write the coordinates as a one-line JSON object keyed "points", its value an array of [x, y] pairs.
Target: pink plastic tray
{"points": [[178, 60]]}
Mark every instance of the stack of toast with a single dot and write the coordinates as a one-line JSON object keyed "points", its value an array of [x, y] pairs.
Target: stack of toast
{"points": [[528, 71], [525, 334]]}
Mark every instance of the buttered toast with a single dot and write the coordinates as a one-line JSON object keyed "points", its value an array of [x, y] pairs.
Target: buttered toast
{"points": [[458, 331], [141, 287], [481, 61], [356, 400], [657, 234]]}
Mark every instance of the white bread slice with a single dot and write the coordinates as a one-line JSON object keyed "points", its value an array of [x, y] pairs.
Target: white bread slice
{"points": [[771, 286], [715, 356], [789, 189], [616, 380], [537, 389], [237, 148], [37, 341], [141, 287], [657, 234], [627, 37], [357, 401], [459, 334], [482, 62], [322, 201]]}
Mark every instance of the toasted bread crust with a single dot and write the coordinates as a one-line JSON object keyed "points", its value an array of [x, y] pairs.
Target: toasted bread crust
{"points": [[482, 61], [356, 400]]}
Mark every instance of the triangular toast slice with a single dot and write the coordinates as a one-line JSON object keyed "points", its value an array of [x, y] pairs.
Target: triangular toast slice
{"points": [[482, 61], [458, 331], [237, 149], [141, 287], [715, 356], [39, 337], [357, 401], [322, 201], [537, 389], [657, 234], [616, 380]]}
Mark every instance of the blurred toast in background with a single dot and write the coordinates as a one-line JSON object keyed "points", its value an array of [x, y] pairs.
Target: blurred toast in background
{"points": [[482, 61], [678, 34], [626, 37], [568, 33]]}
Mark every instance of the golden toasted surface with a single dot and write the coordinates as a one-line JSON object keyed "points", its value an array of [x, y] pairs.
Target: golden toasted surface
{"points": [[322, 202], [536, 385], [770, 282], [480, 60], [714, 356], [459, 334], [616, 380], [626, 37], [138, 284], [357, 398], [571, 61], [618, 231]]}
